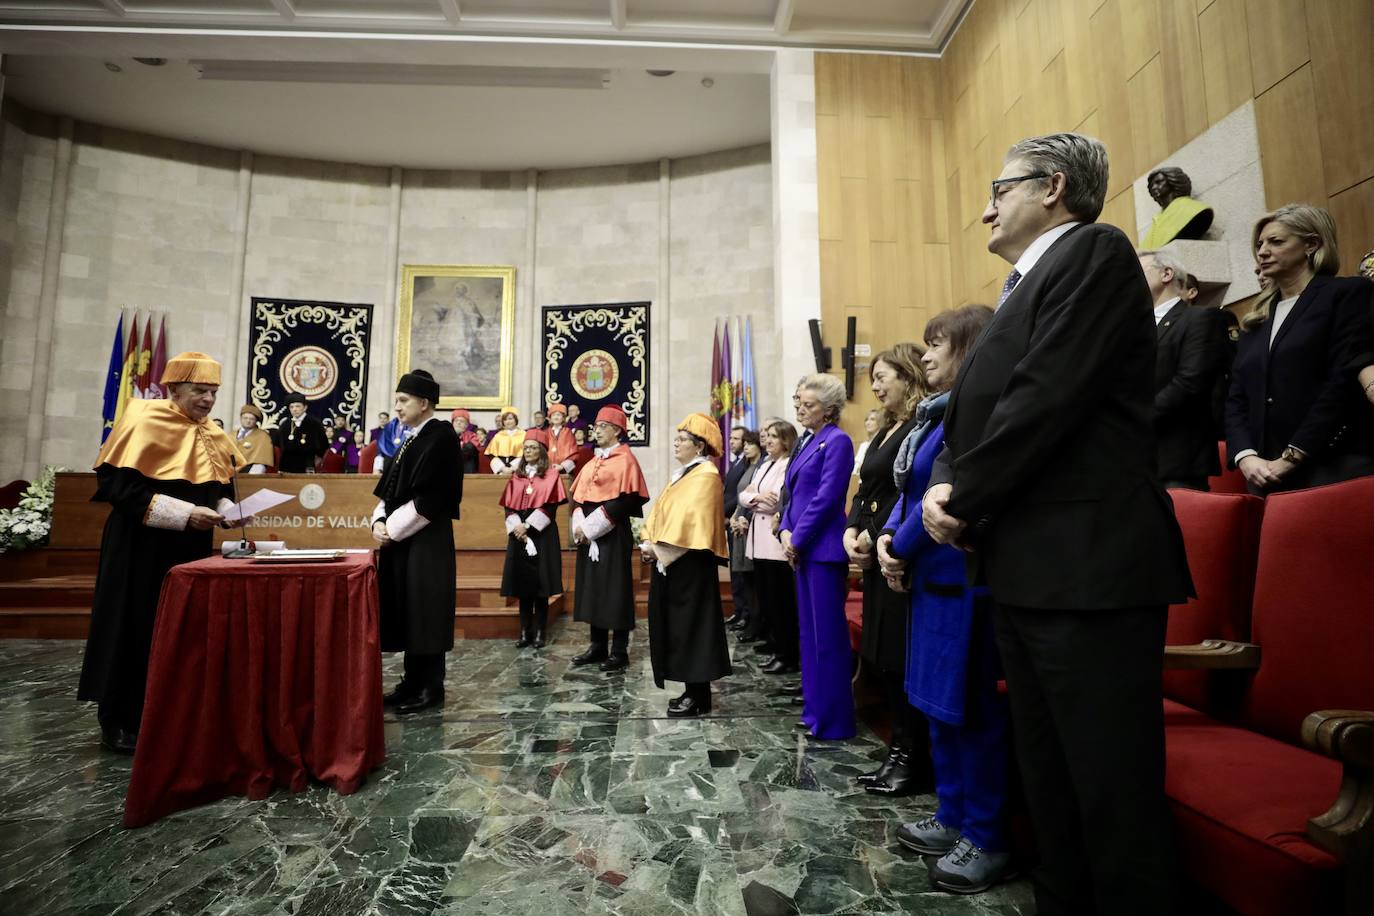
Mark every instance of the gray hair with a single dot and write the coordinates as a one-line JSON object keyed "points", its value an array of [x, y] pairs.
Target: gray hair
{"points": [[1169, 260], [1083, 162], [829, 391]]}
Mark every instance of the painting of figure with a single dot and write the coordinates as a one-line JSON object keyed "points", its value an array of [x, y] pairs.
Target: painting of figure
{"points": [[457, 322]]}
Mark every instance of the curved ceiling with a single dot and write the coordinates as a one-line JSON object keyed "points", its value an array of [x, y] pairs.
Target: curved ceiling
{"points": [[474, 84]]}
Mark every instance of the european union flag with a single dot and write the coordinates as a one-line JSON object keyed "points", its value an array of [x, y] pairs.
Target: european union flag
{"points": [[112, 379]]}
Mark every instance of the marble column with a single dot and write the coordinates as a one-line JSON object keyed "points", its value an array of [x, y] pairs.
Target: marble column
{"points": [[382, 375], [528, 388], [47, 303], [236, 357], [796, 225]]}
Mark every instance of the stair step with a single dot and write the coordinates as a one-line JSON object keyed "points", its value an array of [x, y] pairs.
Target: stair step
{"points": [[49, 591]]}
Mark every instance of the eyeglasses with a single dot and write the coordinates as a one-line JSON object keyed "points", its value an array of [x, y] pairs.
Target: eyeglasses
{"points": [[1003, 182]]}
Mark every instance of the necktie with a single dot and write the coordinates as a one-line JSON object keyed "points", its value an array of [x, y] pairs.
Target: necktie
{"points": [[1012, 279]]}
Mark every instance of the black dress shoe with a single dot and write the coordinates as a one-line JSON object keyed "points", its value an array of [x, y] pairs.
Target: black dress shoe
{"points": [[767, 660], [538, 639], [690, 706], [525, 640], [779, 667], [799, 701], [801, 726], [399, 695], [425, 698], [738, 625], [792, 689], [118, 740], [615, 662], [593, 655], [878, 775], [745, 638], [734, 619]]}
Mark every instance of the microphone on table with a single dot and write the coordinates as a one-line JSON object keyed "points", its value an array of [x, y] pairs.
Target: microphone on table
{"points": [[246, 547]]}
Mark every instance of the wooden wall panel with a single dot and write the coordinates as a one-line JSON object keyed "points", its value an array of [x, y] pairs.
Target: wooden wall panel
{"points": [[907, 146], [1343, 77], [1225, 49], [1353, 211], [1286, 117], [1278, 39]]}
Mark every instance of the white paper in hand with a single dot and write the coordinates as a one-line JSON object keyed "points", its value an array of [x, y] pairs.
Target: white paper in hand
{"points": [[256, 504]]}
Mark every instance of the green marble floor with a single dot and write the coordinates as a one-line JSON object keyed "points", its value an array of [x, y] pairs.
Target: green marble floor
{"points": [[538, 789]]}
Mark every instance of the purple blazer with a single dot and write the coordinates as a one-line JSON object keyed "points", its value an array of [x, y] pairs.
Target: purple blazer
{"points": [[818, 487]]}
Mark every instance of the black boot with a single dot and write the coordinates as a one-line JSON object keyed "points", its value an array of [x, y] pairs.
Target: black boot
{"points": [[880, 774], [910, 775]]}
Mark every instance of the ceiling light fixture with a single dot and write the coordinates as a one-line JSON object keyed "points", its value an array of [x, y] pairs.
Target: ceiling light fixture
{"points": [[402, 74], [113, 67], [660, 72], [152, 61]]}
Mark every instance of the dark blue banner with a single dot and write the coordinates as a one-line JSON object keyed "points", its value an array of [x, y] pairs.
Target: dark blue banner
{"points": [[596, 355], [317, 349]]}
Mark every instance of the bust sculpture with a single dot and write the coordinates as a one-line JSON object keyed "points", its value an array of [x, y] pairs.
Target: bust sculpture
{"points": [[1180, 216]]}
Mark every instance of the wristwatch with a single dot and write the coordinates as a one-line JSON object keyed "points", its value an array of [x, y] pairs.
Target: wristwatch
{"points": [[1293, 455]]}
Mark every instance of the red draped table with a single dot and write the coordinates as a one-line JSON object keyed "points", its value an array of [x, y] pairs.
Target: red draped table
{"points": [[261, 675]]}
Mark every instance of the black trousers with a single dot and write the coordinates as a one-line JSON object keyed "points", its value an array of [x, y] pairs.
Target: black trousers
{"points": [[620, 639], [424, 670], [776, 602], [1088, 726]]}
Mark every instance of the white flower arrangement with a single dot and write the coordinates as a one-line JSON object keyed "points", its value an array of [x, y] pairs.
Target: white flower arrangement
{"points": [[27, 525]]}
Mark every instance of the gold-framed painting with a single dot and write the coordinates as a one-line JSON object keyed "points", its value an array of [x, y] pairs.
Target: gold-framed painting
{"points": [[458, 322]]}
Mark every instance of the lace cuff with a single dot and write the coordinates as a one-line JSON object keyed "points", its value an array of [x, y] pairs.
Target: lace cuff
{"points": [[597, 524], [405, 522], [512, 520], [168, 513], [538, 520], [667, 555]]}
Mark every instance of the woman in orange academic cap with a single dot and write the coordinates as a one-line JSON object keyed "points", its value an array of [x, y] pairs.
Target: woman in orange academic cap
{"points": [[684, 537]]}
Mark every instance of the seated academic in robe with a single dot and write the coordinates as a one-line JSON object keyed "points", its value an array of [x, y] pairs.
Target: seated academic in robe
{"points": [[684, 538], [165, 470], [469, 439], [504, 445], [254, 441], [607, 493], [416, 573], [534, 560]]}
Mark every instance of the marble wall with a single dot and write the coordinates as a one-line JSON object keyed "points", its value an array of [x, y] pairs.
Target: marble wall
{"points": [[194, 232]]}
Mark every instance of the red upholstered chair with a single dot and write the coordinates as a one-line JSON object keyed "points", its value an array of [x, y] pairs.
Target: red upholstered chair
{"points": [[367, 457], [1274, 814], [1229, 480], [1221, 536]]}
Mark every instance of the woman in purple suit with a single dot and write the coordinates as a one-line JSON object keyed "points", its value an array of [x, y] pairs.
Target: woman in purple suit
{"points": [[812, 534]]}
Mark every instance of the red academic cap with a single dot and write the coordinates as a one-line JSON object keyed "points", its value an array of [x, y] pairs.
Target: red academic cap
{"points": [[613, 415]]}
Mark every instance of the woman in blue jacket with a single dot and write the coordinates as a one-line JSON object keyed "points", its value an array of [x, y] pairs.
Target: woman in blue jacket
{"points": [[952, 663]]}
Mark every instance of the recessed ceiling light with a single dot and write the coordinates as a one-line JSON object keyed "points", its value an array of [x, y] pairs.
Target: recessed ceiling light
{"points": [[113, 67], [152, 61], [707, 82], [660, 72]]}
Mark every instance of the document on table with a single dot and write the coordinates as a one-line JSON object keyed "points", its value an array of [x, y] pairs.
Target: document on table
{"points": [[256, 504]]}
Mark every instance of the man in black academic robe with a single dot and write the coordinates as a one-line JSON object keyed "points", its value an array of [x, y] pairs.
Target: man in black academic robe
{"points": [[301, 437], [419, 491]]}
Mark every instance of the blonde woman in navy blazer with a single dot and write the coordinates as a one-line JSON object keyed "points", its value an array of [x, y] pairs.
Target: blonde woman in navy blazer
{"points": [[812, 534], [1295, 416]]}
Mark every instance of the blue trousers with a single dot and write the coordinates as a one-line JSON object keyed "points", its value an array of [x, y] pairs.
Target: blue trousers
{"points": [[826, 666], [970, 762]]}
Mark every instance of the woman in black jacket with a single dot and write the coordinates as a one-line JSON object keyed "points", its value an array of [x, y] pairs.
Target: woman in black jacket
{"points": [[899, 383], [1295, 416]]}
